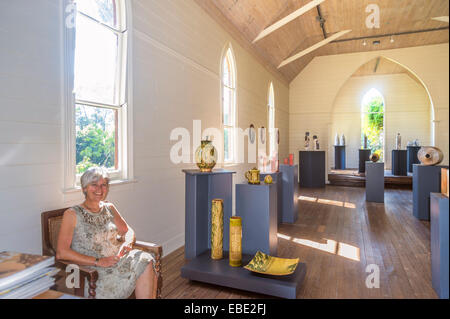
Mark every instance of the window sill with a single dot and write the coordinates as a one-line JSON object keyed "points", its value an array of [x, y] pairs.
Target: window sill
{"points": [[112, 183]]}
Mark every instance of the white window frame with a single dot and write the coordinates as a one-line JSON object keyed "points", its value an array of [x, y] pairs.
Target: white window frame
{"points": [[228, 53], [124, 99], [271, 119]]}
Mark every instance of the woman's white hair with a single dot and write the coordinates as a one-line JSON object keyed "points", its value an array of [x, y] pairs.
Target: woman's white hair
{"points": [[92, 175]]}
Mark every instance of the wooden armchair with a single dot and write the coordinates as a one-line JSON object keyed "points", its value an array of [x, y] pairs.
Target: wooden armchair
{"points": [[51, 223]]}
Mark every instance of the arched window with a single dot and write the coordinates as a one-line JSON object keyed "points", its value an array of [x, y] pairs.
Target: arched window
{"points": [[271, 116], [372, 121], [229, 105], [100, 68]]}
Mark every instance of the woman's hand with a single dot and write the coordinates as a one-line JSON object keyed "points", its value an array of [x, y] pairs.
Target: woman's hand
{"points": [[108, 261]]}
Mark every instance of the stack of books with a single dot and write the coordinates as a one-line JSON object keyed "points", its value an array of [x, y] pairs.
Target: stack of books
{"points": [[24, 276]]}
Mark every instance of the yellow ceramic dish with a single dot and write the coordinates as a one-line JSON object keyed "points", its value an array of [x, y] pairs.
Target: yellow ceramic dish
{"points": [[268, 265]]}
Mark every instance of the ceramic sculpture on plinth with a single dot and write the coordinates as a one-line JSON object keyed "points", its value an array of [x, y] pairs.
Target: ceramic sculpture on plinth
{"points": [[342, 142], [430, 156], [316, 143], [206, 156], [374, 157], [235, 241], [217, 229], [336, 140], [365, 142], [398, 141], [307, 141]]}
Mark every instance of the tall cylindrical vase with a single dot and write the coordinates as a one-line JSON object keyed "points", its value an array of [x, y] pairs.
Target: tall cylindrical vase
{"points": [[235, 241], [217, 229]]}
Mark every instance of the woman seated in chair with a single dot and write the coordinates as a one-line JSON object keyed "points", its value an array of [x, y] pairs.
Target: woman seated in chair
{"points": [[95, 234]]}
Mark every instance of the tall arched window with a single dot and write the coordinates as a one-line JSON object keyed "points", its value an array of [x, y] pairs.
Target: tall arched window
{"points": [[100, 68], [372, 121], [229, 105], [271, 116]]}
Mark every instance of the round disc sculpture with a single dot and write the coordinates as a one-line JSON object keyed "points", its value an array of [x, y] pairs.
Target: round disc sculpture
{"points": [[374, 157], [217, 229], [430, 156]]}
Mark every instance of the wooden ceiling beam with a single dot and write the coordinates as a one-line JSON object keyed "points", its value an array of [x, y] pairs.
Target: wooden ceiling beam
{"points": [[442, 19], [313, 48], [294, 15]]}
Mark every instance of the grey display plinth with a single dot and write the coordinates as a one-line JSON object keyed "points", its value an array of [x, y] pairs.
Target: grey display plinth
{"points": [[277, 178], [201, 189], [426, 180], [412, 157], [290, 190], [219, 272], [399, 163], [312, 169], [339, 157], [257, 205], [375, 182], [439, 244], [364, 155]]}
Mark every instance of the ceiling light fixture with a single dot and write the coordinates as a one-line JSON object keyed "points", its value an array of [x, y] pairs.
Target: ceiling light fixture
{"points": [[364, 43], [392, 39]]}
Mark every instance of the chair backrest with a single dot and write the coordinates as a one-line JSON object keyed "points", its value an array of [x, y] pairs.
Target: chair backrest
{"points": [[50, 224]]}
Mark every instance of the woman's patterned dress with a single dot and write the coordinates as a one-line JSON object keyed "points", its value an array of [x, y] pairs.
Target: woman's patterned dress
{"points": [[96, 235]]}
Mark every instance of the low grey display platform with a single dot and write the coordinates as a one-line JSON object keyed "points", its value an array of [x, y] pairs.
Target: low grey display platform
{"points": [[364, 155], [277, 178], [312, 169], [219, 272], [399, 163], [257, 205], [426, 180], [201, 189], [290, 190], [375, 182], [439, 244]]}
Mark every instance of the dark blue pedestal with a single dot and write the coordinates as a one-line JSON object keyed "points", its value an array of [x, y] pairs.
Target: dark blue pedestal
{"points": [[289, 206], [375, 182], [312, 169], [201, 189], [339, 157], [364, 156], [257, 205], [399, 163], [277, 178], [426, 180], [412, 157], [439, 244]]}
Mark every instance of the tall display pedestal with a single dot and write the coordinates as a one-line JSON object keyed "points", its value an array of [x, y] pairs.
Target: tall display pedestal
{"points": [[375, 182], [201, 189], [289, 204], [312, 169], [364, 155], [439, 244], [399, 163], [426, 180], [257, 205], [339, 157], [277, 178], [412, 157]]}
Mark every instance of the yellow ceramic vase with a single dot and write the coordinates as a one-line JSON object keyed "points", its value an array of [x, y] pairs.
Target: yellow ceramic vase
{"points": [[217, 229], [235, 241]]}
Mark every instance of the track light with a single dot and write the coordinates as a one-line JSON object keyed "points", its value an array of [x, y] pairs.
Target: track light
{"points": [[364, 43], [392, 39]]}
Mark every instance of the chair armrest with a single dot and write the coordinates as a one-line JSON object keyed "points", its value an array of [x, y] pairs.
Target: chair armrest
{"points": [[148, 247], [90, 274]]}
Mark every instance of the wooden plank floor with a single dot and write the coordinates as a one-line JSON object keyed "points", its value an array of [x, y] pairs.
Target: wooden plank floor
{"points": [[338, 234]]}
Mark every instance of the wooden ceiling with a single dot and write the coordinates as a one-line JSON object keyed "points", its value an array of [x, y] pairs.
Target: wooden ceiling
{"points": [[245, 19]]}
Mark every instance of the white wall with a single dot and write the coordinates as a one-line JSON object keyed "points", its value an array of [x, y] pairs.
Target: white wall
{"points": [[407, 111], [176, 61], [313, 92]]}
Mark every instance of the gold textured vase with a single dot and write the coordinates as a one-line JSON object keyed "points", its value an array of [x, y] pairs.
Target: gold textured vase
{"points": [[235, 241], [206, 156], [217, 229]]}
